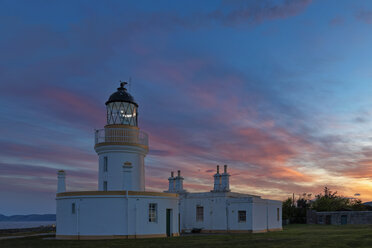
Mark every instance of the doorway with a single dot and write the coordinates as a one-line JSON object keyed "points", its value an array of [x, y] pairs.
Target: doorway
{"points": [[328, 220], [169, 222], [343, 219]]}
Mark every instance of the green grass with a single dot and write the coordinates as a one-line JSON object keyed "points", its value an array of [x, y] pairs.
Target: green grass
{"points": [[24, 233], [292, 236]]}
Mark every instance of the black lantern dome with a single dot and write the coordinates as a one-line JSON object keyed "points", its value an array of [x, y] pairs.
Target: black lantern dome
{"points": [[121, 108], [121, 95]]}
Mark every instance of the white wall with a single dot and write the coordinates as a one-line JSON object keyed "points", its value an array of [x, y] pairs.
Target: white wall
{"points": [[273, 220], [114, 215], [117, 155], [214, 211], [139, 218], [221, 212], [265, 215], [93, 216], [234, 207], [259, 215]]}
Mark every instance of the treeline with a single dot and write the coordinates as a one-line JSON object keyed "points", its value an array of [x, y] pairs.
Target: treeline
{"points": [[295, 210]]}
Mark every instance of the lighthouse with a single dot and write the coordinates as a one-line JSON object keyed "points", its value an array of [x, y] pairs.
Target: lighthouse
{"points": [[121, 208], [121, 146]]}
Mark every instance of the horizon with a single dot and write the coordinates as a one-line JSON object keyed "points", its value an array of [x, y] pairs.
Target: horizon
{"points": [[277, 90]]}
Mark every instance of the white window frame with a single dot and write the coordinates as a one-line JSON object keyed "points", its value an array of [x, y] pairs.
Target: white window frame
{"points": [[242, 220], [153, 212], [199, 213]]}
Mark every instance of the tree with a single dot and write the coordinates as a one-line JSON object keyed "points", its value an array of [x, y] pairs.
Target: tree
{"points": [[288, 209], [295, 212], [330, 201]]}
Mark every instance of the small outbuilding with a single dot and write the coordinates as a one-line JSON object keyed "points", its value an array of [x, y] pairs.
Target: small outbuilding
{"points": [[339, 217]]}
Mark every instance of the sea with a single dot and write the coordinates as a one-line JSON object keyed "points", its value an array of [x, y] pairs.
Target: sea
{"points": [[24, 224]]}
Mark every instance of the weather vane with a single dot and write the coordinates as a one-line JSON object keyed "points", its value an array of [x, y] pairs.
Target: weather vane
{"points": [[122, 84]]}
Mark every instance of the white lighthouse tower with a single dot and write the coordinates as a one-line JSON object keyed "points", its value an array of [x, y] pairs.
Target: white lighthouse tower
{"points": [[121, 146], [121, 208]]}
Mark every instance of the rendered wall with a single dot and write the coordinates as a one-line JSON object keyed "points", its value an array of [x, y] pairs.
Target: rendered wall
{"points": [[114, 215], [265, 215], [274, 220], [221, 212], [116, 157], [214, 212], [139, 219], [93, 216], [234, 207]]}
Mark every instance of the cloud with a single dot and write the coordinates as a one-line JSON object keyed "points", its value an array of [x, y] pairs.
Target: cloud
{"points": [[364, 16], [360, 119], [255, 12], [199, 110], [337, 21], [51, 153]]}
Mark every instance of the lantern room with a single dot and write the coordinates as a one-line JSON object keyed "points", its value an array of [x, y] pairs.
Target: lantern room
{"points": [[121, 108]]}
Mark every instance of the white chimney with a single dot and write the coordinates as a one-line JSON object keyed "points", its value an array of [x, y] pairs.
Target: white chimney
{"points": [[217, 180], [171, 179], [179, 182], [225, 184]]}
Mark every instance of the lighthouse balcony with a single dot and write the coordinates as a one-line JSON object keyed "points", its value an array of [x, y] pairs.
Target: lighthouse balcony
{"points": [[121, 136]]}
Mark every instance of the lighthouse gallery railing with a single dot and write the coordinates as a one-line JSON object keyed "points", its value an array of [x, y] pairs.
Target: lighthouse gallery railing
{"points": [[125, 135]]}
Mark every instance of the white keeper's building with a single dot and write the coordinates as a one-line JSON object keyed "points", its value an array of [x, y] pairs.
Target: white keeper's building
{"points": [[121, 208]]}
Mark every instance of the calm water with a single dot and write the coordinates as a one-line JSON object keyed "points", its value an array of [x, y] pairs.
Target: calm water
{"points": [[21, 224]]}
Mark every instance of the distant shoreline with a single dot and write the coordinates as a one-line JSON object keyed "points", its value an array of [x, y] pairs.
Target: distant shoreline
{"points": [[23, 225], [28, 217]]}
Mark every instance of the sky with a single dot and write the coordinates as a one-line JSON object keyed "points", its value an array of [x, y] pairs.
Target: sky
{"points": [[280, 91]]}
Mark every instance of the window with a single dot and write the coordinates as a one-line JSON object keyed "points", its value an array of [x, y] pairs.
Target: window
{"points": [[73, 208], [104, 185], [153, 212], [105, 164], [122, 113], [242, 216], [278, 214], [199, 213]]}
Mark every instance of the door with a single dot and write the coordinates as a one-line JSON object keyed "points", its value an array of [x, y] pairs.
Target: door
{"points": [[328, 219], [169, 222], [343, 219]]}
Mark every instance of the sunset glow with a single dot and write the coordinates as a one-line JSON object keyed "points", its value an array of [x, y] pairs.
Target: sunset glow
{"points": [[278, 90]]}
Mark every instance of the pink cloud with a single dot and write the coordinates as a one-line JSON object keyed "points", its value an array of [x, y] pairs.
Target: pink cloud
{"points": [[364, 16], [76, 107]]}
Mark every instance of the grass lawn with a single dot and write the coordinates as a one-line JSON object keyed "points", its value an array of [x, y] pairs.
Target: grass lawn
{"points": [[23, 233], [292, 236]]}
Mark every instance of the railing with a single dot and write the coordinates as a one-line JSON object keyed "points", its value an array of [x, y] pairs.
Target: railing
{"points": [[125, 135]]}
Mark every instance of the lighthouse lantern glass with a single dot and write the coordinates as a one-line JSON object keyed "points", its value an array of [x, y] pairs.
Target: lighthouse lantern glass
{"points": [[124, 113]]}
